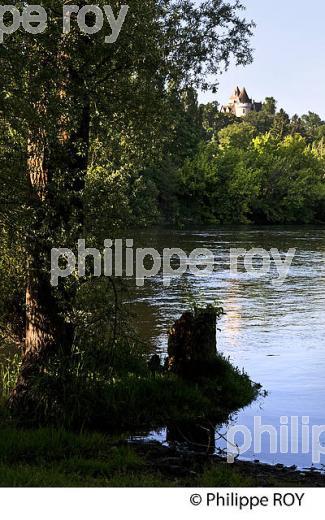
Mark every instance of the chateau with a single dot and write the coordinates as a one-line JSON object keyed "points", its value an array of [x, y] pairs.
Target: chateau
{"points": [[240, 104]]}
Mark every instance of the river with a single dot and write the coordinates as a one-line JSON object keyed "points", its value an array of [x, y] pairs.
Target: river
{"points": [[275, 332]]}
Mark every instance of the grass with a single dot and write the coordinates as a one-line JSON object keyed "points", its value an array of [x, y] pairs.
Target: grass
{"points": [[48, 457], [136, 401], [56, 458], [48, 451], [225, 476]]}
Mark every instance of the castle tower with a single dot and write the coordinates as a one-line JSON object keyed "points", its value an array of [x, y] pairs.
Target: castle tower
{"points": [[240, 104]]}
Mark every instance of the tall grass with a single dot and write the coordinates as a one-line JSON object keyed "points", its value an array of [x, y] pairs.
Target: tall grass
{"points": [[63, 395], [9, 370]]}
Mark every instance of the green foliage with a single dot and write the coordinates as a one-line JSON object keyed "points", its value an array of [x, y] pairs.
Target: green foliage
{"points": [[281, 124], [269, 106], [69, 394], [9, 370], [213, 120], [214, 309], [12, 282], [262, 121], [184, 127], [236, 136], [291, 181], [48, 458], [221, 184], [98, 124], [312, 125], [224, 475], [57, 458], [264, 178], [116, 199]]}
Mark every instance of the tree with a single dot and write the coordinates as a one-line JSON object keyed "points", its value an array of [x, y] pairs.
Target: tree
{"points": [[269, 180], [263, 120], [54, 89], [296, 125], [281, 124], [269, 106], [219, 184], [238, 135], [260, 120], [291, 181], [311, 122], [213, 120]]}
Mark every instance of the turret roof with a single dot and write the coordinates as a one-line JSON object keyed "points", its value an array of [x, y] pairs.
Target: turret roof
{"points": [[243, 96]]}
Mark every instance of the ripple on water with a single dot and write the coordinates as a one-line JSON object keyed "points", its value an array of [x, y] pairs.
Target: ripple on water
{"points": [[277, 333]]}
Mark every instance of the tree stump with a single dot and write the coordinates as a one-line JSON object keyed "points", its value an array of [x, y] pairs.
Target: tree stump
{"points": [[192, 343]]}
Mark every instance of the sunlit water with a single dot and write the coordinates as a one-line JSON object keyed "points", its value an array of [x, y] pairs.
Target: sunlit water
{"points": [[276, 333]]}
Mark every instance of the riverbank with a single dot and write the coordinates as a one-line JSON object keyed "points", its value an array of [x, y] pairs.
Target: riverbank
{"points": [[203, 470], [38, 446], [56, 458], [145, 398]]}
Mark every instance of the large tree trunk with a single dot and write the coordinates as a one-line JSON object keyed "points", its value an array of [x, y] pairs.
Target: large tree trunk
{"points": [[46, 326], [40, 308]]}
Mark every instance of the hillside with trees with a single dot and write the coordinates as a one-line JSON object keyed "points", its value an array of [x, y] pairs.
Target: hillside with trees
{"points": [[264, 168]]}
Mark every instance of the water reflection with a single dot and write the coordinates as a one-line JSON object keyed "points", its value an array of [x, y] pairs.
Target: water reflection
{"points": [[276, 333], [197, 437]]}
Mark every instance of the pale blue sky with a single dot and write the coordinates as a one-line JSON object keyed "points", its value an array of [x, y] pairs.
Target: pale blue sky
{"points": [[289, 56]]}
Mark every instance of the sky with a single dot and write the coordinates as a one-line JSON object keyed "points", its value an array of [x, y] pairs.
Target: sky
{"points": [[289, 56]]}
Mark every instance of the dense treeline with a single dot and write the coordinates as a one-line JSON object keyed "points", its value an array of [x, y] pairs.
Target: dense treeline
{"points": [[213, 168], [263, 168]]}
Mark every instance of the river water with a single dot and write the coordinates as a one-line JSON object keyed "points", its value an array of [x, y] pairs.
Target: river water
{"points": [[276, 333]]}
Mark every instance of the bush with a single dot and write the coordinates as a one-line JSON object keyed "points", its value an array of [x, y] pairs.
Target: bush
{"points": [[75, 400]]}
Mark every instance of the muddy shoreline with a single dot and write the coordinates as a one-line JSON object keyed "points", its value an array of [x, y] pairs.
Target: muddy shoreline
{"points": [[176, 463]]}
